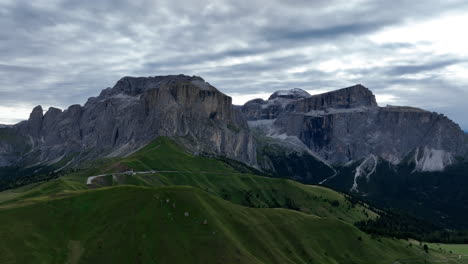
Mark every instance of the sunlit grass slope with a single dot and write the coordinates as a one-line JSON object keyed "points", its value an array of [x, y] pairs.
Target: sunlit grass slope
{"points": [[190, 210], [213, 176], [459, 249], [128, 224]]}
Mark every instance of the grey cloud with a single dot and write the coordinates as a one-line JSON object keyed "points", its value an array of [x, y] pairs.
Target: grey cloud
{"points": [[63, 52], [325, 32], [19, 69], [412, 68]]}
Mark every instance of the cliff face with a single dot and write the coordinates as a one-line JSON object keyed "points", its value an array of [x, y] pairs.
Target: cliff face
{"points": [[351, 97], [135, 111], [389, 132], [347, 125], [12, 146], [338, 127]]}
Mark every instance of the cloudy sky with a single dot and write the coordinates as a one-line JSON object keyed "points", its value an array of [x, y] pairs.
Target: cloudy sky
{"points": [[60, 52]]}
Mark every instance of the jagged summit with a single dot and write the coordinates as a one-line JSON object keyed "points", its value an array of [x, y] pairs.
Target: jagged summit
{"points": [[295, 93], [36, 112], [35, 120]]}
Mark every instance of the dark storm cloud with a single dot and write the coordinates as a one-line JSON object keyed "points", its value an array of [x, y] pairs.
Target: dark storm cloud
{"points": [[60, 52]]}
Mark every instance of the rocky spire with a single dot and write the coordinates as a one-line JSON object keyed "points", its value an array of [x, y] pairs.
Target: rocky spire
{"points": [[35, 121]]}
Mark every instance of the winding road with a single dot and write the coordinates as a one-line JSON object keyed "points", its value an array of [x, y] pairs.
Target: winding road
{"points": [[91, 178]]}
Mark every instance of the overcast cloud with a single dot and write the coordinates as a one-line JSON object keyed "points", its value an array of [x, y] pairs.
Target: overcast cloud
{"points": [[60, 52]]}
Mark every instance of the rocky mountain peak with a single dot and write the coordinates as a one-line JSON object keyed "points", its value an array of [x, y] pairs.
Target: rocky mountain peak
{"points": [[134, 112], [363, 92], [351, 97], [134, 86], [257, 109], [295, 93], [354, 96], [35, 120], [53, 111], [347, 124], [37, 113]]}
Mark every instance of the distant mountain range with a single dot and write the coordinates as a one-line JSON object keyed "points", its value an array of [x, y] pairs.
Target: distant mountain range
{"points": [[341, 139]]}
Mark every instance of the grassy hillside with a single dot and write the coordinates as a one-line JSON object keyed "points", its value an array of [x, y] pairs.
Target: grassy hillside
{"points": [[179, 225], [232, 217], [458, 249], [165, 154], [51, 187], [213, 176], [261, 192]]}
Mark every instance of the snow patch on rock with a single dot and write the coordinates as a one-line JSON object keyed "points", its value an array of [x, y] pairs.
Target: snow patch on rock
{"points": [[430, 160], [392, 158], [291, 93], [365, 169]]}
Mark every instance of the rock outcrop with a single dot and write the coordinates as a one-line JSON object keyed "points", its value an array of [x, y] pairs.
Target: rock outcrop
{"points": [[12, 146], [347, 98], [347, 125], [258, 109], [131, 114]]}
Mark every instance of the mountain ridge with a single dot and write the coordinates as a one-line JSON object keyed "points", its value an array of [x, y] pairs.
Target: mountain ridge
{"points": [[329, 123], [340, 139], [338, 126], [334, 128], [107, 125]]}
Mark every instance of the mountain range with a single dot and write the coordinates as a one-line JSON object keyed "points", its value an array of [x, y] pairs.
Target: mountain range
{"points": [[342, 138], [393, 157], [338, 127]]}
